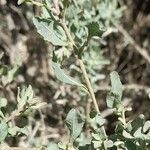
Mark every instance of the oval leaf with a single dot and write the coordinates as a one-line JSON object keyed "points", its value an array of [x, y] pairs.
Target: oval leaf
{"points": [[75, 123], [47, 30], [3, 131], [3, 102], [60, 74]]}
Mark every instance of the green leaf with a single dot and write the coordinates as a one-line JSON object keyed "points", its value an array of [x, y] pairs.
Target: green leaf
{"points": [[108, 143], [13, 130], [3, 131], [115, 95], [52, 146], [20, 2], [97, 144], [100, 120], [3, 102], [127, 135], [96, 120], [60, 74], [25, 96], [94, 30], [138, 122], [51, 31], [110, 100], [83, 139], [10, 75], [75, 123], [130, 145], [146, 126], [138, 133], [116, 84]]}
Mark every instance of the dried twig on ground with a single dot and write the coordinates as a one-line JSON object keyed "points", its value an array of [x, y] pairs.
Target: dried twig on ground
{"points": [[143, 52]]}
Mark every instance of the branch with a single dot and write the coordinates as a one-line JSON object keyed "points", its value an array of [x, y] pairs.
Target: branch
{"points": [[13, 115], [143, 52], [82, 66]]}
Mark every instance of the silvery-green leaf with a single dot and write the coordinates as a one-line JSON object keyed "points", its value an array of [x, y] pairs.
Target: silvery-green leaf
{"points": [[130, 145], [75, 123], [13, 130], [20, 98], [100, 120], [51, 31], [138, 133], [83, 139], [3, 102], [97, 144], [110, 100], [127, 135], [108, 143], [25, 95], [94, 29], [3, 131], [60, 74], [10, 76], [52, 146], [146, 126], [115, 95], [20, 2], [116, 85], [138, 122]]}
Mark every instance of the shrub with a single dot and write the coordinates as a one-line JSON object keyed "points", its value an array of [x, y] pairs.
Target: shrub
{"points": [[77, 28]]}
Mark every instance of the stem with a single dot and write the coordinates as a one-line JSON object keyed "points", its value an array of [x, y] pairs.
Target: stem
{"points": [[89, 86], [13, 115], [82, 66], [83, 69], [123, 117]]}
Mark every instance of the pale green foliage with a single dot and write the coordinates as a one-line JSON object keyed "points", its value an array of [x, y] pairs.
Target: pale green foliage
{"points": [[115, 95], [52, 146], [60, 74], [85, 20], [6, 79], [75, 123], [51, 31], [25, 101], [3, 131], [3, 102]]}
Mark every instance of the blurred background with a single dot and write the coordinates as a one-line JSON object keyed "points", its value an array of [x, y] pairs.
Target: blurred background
{"points": [[124, 48]]}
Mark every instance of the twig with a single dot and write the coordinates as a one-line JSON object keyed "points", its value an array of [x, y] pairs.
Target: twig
{"points": [[43, 128], [82, 66], [143, 52], [88, 83], [13, 115], [32, 135]]}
